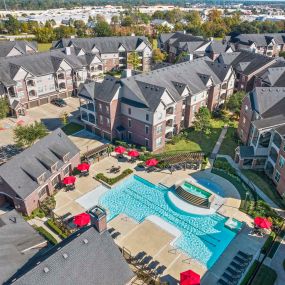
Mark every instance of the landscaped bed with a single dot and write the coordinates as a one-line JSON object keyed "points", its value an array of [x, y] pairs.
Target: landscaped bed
{"points": [[72, 128], [265, 276], [113, 180]]}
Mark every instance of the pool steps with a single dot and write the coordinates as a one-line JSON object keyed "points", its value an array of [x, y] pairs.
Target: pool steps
{"points": [[192, 199]]}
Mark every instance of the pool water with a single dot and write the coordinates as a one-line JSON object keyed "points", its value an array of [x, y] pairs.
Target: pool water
{"points": [[196, 191], [211, 185], [203, 237]]}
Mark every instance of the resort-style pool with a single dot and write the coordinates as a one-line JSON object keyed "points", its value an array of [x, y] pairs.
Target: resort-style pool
{"points": [[196, 190], [203, 237]]}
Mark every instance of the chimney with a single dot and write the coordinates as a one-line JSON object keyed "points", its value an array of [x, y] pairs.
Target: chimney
{"points": [[98, 218], [67, 51]]}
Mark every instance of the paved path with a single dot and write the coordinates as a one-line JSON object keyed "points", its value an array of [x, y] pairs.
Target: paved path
{"points": [[219, 142], [257, 189]]}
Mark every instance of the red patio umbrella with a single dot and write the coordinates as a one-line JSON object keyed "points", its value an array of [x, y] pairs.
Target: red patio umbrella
{"points": [[189, 277], [69, 180], [81, 220], [262, 223], [133, 153], [83, 166], [151, 162], [120, 149]]}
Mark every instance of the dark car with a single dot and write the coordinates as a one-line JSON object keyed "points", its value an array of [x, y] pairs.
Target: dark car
{"points": [[58, 102]]}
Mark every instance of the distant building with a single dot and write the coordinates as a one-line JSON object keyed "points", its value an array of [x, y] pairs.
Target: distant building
{"points": [[164, 23], [19, 242], [32, 175], [188, 46], [149, 108], [13, 48], [262, 130], [267, 44], [85, 258], [114, 51]]}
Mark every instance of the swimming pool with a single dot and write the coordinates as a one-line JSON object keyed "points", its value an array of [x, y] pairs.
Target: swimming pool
{"points": [[196, 191], [211, 185], [203, 237]]}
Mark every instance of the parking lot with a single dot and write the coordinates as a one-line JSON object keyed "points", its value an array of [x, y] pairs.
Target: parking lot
{"points": [[49, 114]]}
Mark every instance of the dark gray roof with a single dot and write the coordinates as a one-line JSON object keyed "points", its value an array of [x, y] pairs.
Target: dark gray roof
{"points": [[165, 37], [245, 62], [20, 172], [268, 101], [18, 242], [103, 91], [103, 44], [281, 130], [21, 46], [88, 258], [270, 122], [246, 151], [259, 39]]}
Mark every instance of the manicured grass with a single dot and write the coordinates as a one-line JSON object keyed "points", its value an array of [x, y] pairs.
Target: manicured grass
{"points": [[72, 128], [44, 47], [265, 276], [230, 142], [193, 141], [46, 235], [266, 185]]}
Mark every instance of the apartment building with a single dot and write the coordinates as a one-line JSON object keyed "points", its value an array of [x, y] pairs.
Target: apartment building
{"points": [[247, 66], [149, 108], [262, 130], [32, 175], [266, 44], [34, 79], [190, 47], [114, 51], [14, 48]]}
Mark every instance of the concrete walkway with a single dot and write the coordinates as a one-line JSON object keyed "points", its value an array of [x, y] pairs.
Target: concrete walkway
{"points": [[257, 189], [219, 142]]}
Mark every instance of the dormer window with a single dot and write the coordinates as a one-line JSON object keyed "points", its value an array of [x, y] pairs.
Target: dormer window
{"points": [[41, 179], [66, 158], [53, 168]]}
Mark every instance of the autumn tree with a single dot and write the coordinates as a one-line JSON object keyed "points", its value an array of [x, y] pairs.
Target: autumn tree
{"points": [[134, 60], [158, 55], [202, 121]]}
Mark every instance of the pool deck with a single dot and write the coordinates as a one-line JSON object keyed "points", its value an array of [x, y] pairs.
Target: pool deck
{"points": [[156, 242]]}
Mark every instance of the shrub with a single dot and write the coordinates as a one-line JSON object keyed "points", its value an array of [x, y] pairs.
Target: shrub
{"points": [[53, 226], [38, 212], [122, 143], [48, 204], [113, 180], [163, 165], [46, 235], [143, 149]]}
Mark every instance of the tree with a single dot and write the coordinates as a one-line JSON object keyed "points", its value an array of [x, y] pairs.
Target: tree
{"points": [[102, 29], [134, 60], [282, 54], [44, 35], [25, 136], [202, 122], [64, 118], [235, 101], [4, 108], [158, 55]]}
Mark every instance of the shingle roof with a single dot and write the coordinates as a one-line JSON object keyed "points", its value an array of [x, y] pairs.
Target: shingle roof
{"points": [[103, 44], [20, 172], [270, 122], [17, 242], [89, 258], [21, 46], [245, 61]]}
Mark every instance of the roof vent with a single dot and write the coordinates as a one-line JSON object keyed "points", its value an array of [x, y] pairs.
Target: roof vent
{"points": [[85, 241], [46, 269], [13, 219], [65, 255]]}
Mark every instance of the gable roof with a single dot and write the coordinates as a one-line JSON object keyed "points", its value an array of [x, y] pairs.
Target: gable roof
{"points": [[21, 46], [87, 257], [19, 242], [20, 172], [103, 44]]}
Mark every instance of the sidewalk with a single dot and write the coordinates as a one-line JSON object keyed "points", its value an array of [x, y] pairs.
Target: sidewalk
{"points": [[219, 142]]}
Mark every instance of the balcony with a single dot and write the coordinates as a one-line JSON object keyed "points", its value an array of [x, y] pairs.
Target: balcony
{"points": [[62, 86], [224, 86], [88, 106], [32, 93], [170, 111], [31, 83], [61, 76], [11, 92]]}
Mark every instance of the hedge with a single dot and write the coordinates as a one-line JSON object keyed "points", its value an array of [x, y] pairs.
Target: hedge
{"points": [[46, 235], [249, 273], [113, 180], [52, 225]]}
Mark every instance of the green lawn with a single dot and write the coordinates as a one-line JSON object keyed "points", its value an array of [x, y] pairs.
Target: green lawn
{"points": [[230, 141], [196, 141], [266, 185], [265, 276], [44, 47], [72, 128]]}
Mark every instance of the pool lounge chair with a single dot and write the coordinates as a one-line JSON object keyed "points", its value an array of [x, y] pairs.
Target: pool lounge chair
{"points": [[244, 255], [230, 278], [241, 260], [238, 266], [139, 256], [223, 282], [234, 272]]}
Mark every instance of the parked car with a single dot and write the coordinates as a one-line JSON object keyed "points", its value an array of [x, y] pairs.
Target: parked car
{"points": [[58, 102]]}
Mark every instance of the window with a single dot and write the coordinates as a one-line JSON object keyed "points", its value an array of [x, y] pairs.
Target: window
{"points": [[146, 142], [129, 111], [277, 176], [147, 117], [107, 109], [246, 108], [100, 106], [194, 98], [194, 108], [129, 136], [244, 120], [101, 119], [158, 141], [281, 161], [42, 192], [55, 181], [159, 129], [129, 123], [66, 170], [108, 122], [146, 130], [159, 116]]}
